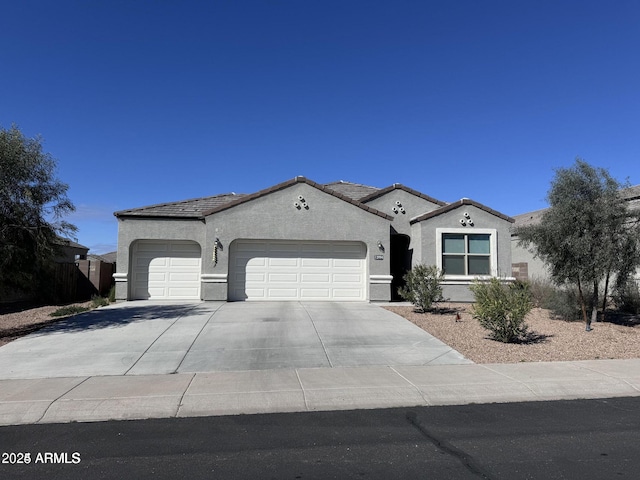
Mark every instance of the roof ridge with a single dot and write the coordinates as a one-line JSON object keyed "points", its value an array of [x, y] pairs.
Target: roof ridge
{"points": [[344, 182]]}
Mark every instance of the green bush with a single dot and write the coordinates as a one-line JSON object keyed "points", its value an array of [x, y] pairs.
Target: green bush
{"points": [[501, 308], [112, 294], [68, 310], [423, 286], [97, 301]]}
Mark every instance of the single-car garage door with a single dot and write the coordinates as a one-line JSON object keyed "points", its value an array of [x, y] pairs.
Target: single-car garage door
{"points": [[297, 270], [165, 270]]}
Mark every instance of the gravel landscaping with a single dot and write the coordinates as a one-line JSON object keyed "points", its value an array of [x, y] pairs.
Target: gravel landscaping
{"points": [[21, 322], [551, 339]]}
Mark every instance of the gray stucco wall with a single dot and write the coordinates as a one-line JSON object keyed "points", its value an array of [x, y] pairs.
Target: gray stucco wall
{"points": [[537, 269], [425, 235], [133, 229], [274, 217], [413, 206]]}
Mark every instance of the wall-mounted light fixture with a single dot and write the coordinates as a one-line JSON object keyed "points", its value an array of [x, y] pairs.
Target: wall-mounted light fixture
{"points": [[380, 246]]}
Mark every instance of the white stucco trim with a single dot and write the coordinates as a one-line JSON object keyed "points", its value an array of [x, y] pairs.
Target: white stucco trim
{"points": [[384, 279], [213, 278], [493, 259], [120, 277]]}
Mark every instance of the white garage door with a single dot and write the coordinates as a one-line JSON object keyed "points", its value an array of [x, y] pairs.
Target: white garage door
{"points": [[287, 270], [165, 270]]}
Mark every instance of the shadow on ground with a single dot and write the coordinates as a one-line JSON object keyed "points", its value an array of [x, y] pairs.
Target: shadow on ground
{"points": [[113, 317]]}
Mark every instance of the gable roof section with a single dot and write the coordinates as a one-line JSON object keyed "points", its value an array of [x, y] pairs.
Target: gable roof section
{"points": [[289, 183], [354, 191], [460, 203], [398, 186], [193, 208]]}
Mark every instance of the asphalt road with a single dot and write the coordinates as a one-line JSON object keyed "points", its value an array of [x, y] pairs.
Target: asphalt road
{"points": [[585, 439]]}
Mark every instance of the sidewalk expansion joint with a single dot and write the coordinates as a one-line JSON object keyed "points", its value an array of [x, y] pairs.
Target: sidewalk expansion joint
{"points": [[44, 414]]}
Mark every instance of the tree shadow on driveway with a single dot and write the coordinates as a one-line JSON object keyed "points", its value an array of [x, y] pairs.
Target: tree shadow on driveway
{"points": [[103, 318]]}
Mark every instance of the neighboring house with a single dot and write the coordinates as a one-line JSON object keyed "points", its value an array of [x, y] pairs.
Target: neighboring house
{"points": [[526, 266], [70, 251], [300, 240]]}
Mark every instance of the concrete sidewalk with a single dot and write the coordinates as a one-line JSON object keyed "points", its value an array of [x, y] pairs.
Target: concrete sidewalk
{"points": [[98, 398]]}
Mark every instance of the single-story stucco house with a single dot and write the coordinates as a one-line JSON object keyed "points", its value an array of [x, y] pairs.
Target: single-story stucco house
{"points": [[300, 240]]}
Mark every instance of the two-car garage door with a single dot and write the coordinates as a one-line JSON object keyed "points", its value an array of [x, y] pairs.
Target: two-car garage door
{"points": [[297, 270]]}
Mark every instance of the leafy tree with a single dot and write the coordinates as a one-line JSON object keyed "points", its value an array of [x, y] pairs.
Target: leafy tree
{"points": [[423, 286], [583, 233], [32, 204]]}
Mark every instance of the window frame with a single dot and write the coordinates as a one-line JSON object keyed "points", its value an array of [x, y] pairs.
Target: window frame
{"points": [[493, 250]]}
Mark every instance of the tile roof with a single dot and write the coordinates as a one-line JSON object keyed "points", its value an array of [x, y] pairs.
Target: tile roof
{"points": [[354, 191], [398, 186], [110, 257], [288, 183], [67, 242], [193, 208], [459, 203]]}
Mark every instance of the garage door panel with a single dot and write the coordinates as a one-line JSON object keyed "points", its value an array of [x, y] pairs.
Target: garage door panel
{"points": [[166, 270], [282, 293], [346, 263], [282, 277], [183, 262], [316, 262], [285, 270], [183, 277], [346, 278], [316, 293], [315, 278], [283, 262]]}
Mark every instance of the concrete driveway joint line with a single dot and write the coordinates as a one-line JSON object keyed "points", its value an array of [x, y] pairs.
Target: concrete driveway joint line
{"points": [[324, 347], [156, 340], [196, 337]]}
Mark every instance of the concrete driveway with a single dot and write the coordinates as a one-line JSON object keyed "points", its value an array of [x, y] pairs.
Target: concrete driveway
{"points": [[135, 338]]}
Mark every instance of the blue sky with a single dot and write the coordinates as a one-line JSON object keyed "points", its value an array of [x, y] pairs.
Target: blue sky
{"points": [[151, 101]]}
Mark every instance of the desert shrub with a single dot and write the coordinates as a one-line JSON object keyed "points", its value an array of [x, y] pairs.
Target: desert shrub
{"points": [[68, 310], [423, 286], [97, 301], [542, 292], [627, 297], [112, 294], [501, 308], [565, 303]]}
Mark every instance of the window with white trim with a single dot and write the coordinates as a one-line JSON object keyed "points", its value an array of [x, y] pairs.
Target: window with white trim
{"points": [[466, 253]]}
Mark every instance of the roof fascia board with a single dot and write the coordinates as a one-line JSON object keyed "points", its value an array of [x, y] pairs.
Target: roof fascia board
{"points": [[289, 183], [399, 186], [458, 204]]}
